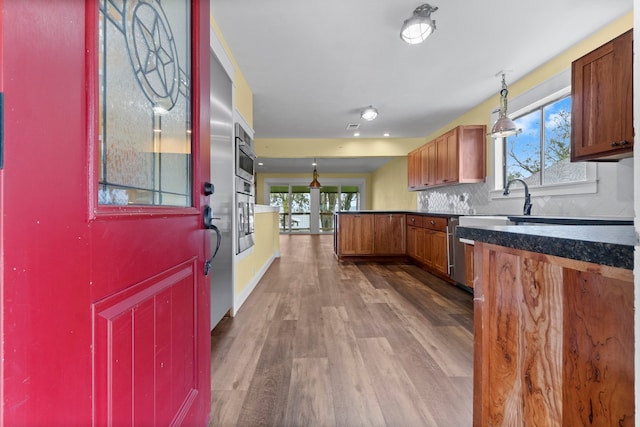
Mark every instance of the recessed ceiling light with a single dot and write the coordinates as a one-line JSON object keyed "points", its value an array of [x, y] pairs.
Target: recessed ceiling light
{"points": [[356, 134], [260, 164], [386, 134]]}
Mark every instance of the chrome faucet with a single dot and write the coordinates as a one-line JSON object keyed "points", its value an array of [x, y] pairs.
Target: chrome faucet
{"points": [[526, 210]]}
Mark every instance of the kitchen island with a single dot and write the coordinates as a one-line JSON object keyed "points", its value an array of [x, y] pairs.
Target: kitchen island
{"points": [[553, 324]]}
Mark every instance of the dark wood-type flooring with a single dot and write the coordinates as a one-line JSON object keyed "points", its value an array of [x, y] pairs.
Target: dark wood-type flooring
{"points": [[323, 343]]}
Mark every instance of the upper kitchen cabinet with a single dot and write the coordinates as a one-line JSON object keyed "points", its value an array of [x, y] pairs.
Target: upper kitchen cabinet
{"points": [[602, 102], [414, 168], [458, 156]]}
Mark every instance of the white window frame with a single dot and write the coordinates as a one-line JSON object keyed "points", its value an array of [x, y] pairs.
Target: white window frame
{"points": [[544, 93], [359, 182]]}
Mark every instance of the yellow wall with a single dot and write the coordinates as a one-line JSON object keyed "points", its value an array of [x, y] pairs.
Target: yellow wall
{"points": [[389, 187], [260, 178], [335, 147], [267, 245]]}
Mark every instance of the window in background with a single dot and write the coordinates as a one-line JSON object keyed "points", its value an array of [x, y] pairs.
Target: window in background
{"points": [[540, 154]]}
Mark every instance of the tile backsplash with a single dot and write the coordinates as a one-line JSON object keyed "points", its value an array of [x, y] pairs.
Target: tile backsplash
{"points": [[614, 197]]}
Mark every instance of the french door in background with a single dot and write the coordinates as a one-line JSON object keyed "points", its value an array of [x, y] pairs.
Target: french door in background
{"points": [[105, 317], [310, 210]]}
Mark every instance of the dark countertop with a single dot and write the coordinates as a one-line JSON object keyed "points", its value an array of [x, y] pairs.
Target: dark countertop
{"points": [[610, 245]]}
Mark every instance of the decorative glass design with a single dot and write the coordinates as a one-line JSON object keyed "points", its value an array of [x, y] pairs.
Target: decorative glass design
{"points": [[145, 103]]}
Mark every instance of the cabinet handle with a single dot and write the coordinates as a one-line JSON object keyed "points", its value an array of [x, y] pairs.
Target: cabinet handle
{"points": [[433, 223], [614, 144], [624, 142]]}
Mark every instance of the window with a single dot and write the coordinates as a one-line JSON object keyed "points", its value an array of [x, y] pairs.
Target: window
{"points": [[145, 104], [540, 154], [306, 211]]}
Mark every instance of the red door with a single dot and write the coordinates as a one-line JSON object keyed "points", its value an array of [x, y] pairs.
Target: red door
{"points": [[105, 317]]}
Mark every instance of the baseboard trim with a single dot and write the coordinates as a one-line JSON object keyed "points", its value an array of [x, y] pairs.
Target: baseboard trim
{"points": [[238, 300]]}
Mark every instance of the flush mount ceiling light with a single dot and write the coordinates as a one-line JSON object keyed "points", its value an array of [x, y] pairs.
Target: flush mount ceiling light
{"points": [[369, 113], [504, 126], [315, 183], [420, 26]]}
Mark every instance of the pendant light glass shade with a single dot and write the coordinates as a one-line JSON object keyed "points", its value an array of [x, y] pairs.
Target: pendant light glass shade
{"points": [[420, 26], [504, 126]]}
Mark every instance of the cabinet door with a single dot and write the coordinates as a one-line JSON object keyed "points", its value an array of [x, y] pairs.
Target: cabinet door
{"points": [[447, 157], [412, 242], [429, 161], [439, 258], [389, 234], [602, 102], [355, 234], [414, 169], [468, 265]]}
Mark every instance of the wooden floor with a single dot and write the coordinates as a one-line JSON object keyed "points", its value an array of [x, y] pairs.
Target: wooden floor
{"points": [[323, 343]]}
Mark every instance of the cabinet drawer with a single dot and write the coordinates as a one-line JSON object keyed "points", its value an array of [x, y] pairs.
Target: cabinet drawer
{"points": [[414, 220], [434, 223]]}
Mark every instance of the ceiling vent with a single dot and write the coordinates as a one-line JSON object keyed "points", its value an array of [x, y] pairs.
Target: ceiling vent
{"points": [[353, 126]]}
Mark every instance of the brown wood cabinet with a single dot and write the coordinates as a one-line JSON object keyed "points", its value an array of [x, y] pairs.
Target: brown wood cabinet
{"points": [[435, 244], [458, 156], [468, 265], [414, 169], [364, 234], [389, 234], [427, 242], [553, 340], [602, 102], [355, 234], [415, 237]]}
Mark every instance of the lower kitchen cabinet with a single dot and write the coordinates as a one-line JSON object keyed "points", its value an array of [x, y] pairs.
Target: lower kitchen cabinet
{"points": [[468, 265], [389, 234], [553, 340], [371, 234], [427, 242], [355, 234], [435, 248]]}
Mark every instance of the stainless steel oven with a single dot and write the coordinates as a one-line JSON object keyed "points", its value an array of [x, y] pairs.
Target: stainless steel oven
{"points": [[245, 193], [245, 154], [245, 200]]}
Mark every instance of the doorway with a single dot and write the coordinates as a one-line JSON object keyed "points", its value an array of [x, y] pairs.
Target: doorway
{"points": [[305, 210]]}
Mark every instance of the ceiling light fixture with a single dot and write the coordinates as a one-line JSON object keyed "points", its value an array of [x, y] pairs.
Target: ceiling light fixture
{"points": [[315, 183], [420, 26], [369, 113], [504, 126]]}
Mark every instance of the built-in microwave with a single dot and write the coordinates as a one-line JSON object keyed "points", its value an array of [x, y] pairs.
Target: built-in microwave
{"points": [[245, 154]]}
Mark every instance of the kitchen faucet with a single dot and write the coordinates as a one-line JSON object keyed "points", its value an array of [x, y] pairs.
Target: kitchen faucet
{"points": [[526, 210]]}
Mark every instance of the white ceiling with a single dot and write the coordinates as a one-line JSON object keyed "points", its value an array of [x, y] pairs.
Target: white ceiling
{"points": [[313, 66]]}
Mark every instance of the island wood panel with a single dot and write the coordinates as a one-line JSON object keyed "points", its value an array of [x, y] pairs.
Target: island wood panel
{"points": [[389, 234], [599, 346], [355, 234], [549, 350]]}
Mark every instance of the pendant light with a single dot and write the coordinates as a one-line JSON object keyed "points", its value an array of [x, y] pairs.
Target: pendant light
{"points": [[315, 183], [504, 126], [420, 26]]}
